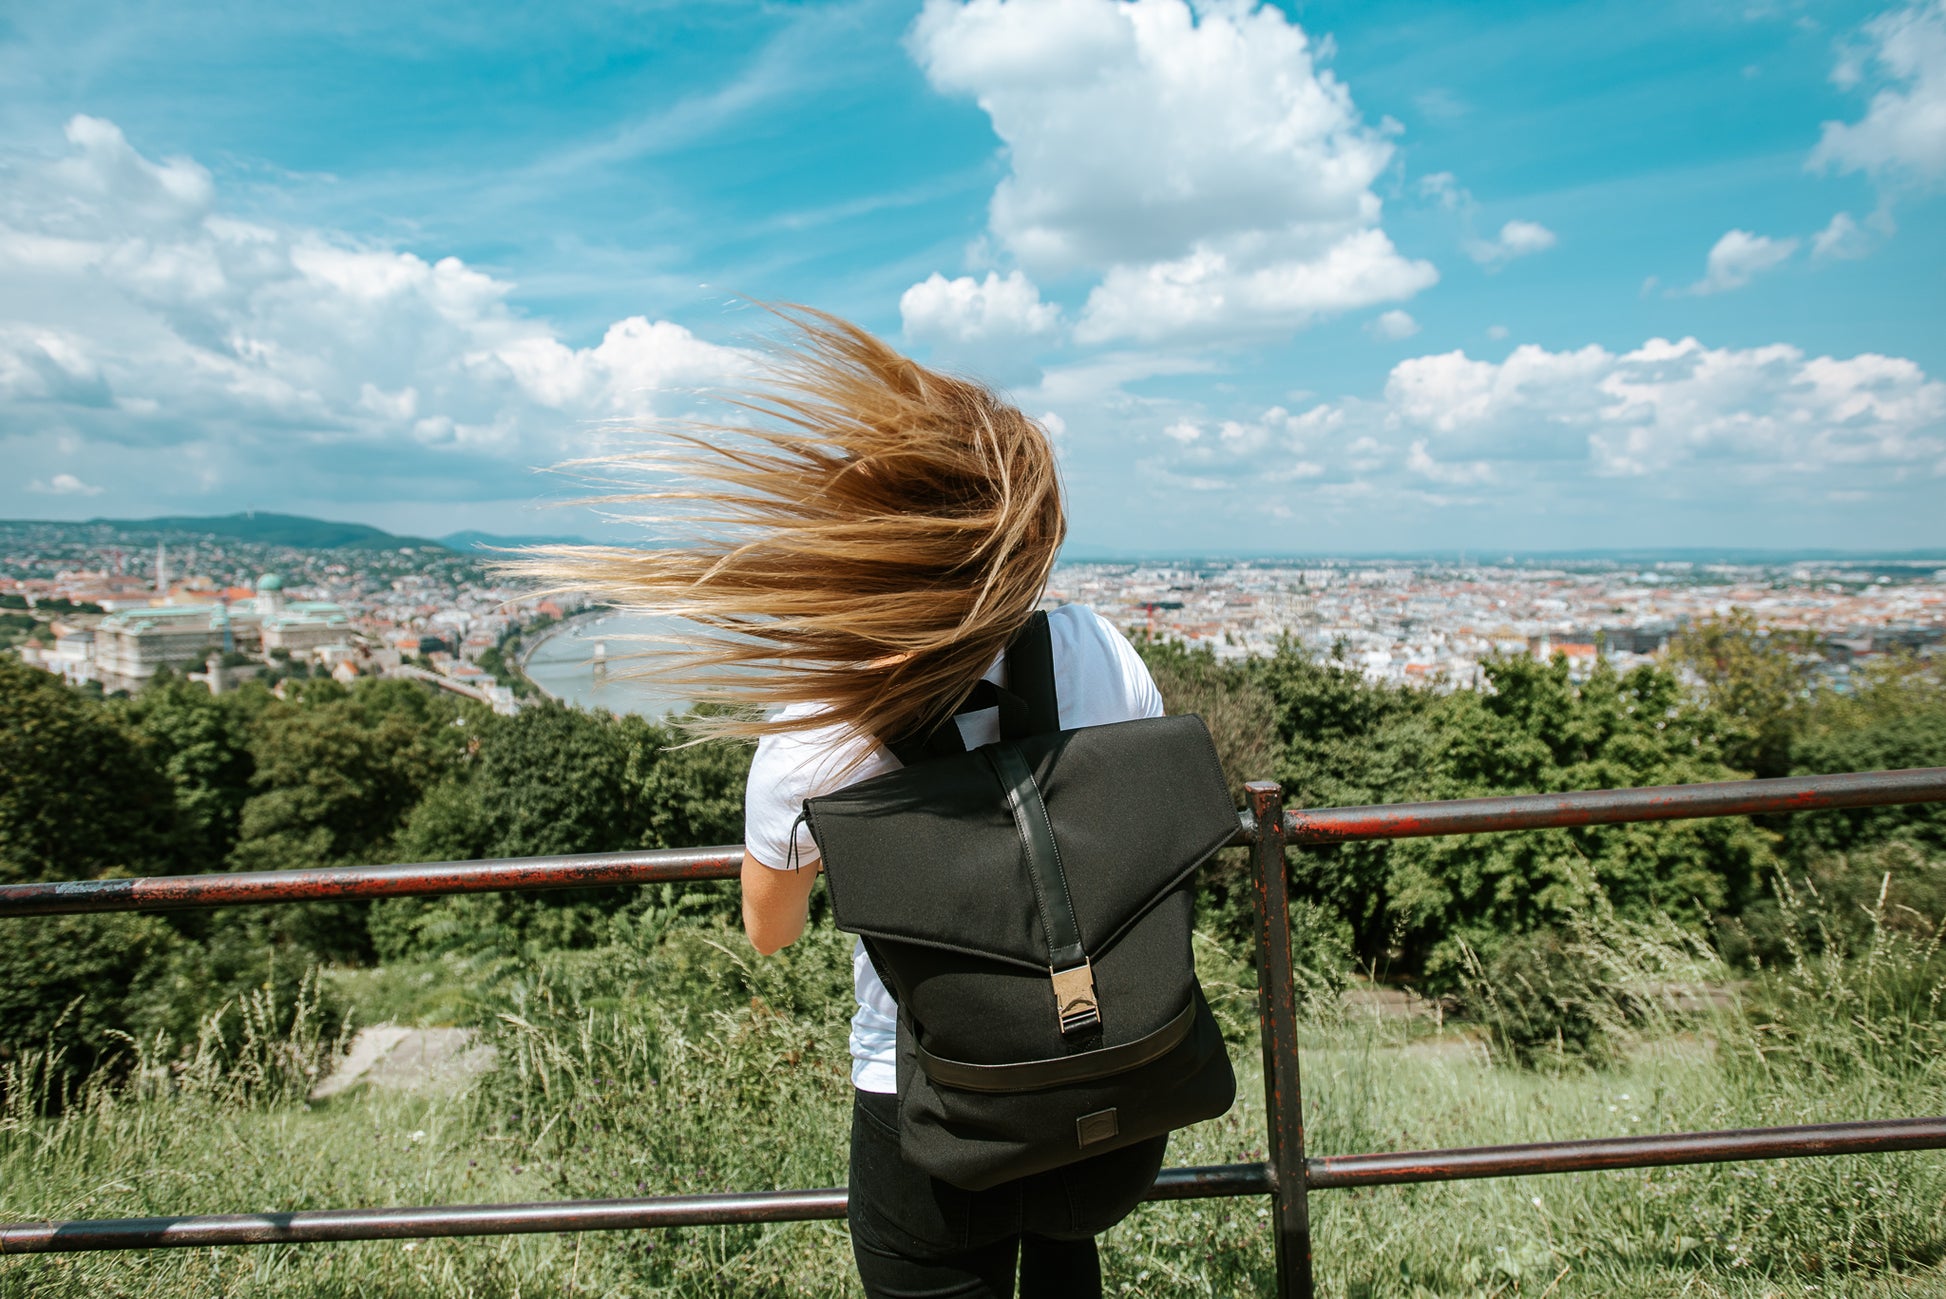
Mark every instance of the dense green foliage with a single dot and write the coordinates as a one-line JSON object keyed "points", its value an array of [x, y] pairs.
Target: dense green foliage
{"points": [[79, 795], [558, 780], [672, 1061], [175, 781], [1411, 906], [1756, 683], [1717, 973], [1896, 718], [320, 774], [201, 745]]}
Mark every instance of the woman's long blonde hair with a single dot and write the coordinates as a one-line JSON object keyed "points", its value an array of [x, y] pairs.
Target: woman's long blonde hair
{"points": [[868, 541]]}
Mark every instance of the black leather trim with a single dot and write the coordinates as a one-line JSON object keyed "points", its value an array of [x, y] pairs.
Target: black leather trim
{"points": [[1037, 1075], [1034, 709], [1042, 855], [1030, 678]]}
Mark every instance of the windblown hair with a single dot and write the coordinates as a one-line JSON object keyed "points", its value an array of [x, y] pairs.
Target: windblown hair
{"points": [[869, 540]]}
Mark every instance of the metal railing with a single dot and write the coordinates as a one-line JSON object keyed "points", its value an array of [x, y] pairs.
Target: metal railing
{"points": [[1286, 1175]]}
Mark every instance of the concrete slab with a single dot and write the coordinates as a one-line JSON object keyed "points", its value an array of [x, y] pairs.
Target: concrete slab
{"points": [[409, 1059]]}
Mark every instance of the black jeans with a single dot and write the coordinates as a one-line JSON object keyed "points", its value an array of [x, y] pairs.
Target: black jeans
{"points": [[916, 1237]]}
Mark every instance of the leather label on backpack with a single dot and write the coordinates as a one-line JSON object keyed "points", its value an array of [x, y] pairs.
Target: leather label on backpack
{"points": [[1099, 1126]]}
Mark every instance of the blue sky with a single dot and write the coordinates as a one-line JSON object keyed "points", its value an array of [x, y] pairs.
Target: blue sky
{"points": [[1324, 277]]}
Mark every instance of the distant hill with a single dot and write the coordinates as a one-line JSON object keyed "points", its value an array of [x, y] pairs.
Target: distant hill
{"points": [[471, 540], [273, 530], [302, 532]]}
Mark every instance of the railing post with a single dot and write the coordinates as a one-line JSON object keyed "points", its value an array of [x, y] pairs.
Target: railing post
{"points": [[1277, 1018]]}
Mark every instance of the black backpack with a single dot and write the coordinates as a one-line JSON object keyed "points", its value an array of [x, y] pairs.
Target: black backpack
{"points": [[1027, 904]]}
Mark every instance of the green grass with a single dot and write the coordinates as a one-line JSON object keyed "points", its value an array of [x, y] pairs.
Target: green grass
{"points": [[676, 1062]]}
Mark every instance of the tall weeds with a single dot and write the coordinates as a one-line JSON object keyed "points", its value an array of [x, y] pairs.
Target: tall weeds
{"points": [[675, 1061]]}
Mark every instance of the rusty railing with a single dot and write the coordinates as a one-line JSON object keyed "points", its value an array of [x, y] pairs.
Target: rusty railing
{"points": [[1286, 1175]]}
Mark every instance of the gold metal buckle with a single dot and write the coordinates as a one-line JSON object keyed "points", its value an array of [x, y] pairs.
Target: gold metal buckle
{"points": [[1074, 997]]}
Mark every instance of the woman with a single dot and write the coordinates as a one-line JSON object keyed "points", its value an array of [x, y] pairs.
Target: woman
{"points": [[861, 554]]}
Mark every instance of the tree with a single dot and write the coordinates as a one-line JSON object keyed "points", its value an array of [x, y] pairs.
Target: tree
{"points": [[79, 794], [1240, 713], [337, 773], [1896, 717], [201, 744], [1534, 730], [1758, 681], [1346, 742], [550, 780], [1529, 729], [694, 792], [67, 983]]}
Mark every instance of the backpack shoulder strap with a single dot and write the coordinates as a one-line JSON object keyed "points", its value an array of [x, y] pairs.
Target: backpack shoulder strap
{"points": [[1027, 704], [1030, 678]]}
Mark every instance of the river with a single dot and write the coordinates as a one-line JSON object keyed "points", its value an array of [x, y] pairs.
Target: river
{"points": [[562, 665]]}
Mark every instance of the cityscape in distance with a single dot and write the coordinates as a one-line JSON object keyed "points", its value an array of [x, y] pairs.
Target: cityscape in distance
{"points": [[108, 604]]}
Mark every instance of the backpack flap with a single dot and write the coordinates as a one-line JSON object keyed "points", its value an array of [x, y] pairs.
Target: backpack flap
{"points": [[933, 855]]}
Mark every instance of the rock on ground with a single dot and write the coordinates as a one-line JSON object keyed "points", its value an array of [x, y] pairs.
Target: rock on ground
{"points": [[409, 1059]]}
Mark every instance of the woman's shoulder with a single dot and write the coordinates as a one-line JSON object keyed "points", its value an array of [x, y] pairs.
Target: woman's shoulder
{"points": [[807, 760], [1080, 624], [1079, 632], [1099, 676]]}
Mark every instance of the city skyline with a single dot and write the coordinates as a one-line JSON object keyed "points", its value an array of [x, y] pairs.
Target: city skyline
{"points": [[1379, 279], [114, 611]]}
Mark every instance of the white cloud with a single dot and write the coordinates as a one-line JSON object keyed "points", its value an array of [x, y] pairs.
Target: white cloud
{"points": [[1516, 239], [1441, 105], [1206, 293], [1667, 404], [1585, 443], [994, 327], [1269, 447], [1443, 188], [1421, 462], [1841, 239], [1451, 393], [1903, 133], [1393, 325], [64, 485], [966, 310], [133, 311], [1201, 161], [1739, 257]]}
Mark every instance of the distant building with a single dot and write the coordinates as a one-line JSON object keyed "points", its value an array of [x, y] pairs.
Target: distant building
{"points": [[305, 627], [73, 656], [129, 647]]}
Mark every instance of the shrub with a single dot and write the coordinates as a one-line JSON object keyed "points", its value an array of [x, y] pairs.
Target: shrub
{"points": [[1582, 993], [79, 796], [551, 780], [1841, 904], [1896, 718], [69, 984]]}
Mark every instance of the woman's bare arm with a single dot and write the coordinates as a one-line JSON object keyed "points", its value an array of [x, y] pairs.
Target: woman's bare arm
{"points": [[775, 903]]}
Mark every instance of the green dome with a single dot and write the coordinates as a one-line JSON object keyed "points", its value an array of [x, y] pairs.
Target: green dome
{"points": [[270, 582]]}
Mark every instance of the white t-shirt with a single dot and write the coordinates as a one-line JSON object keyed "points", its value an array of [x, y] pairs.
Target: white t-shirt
{"points": [[1098, 678]]}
